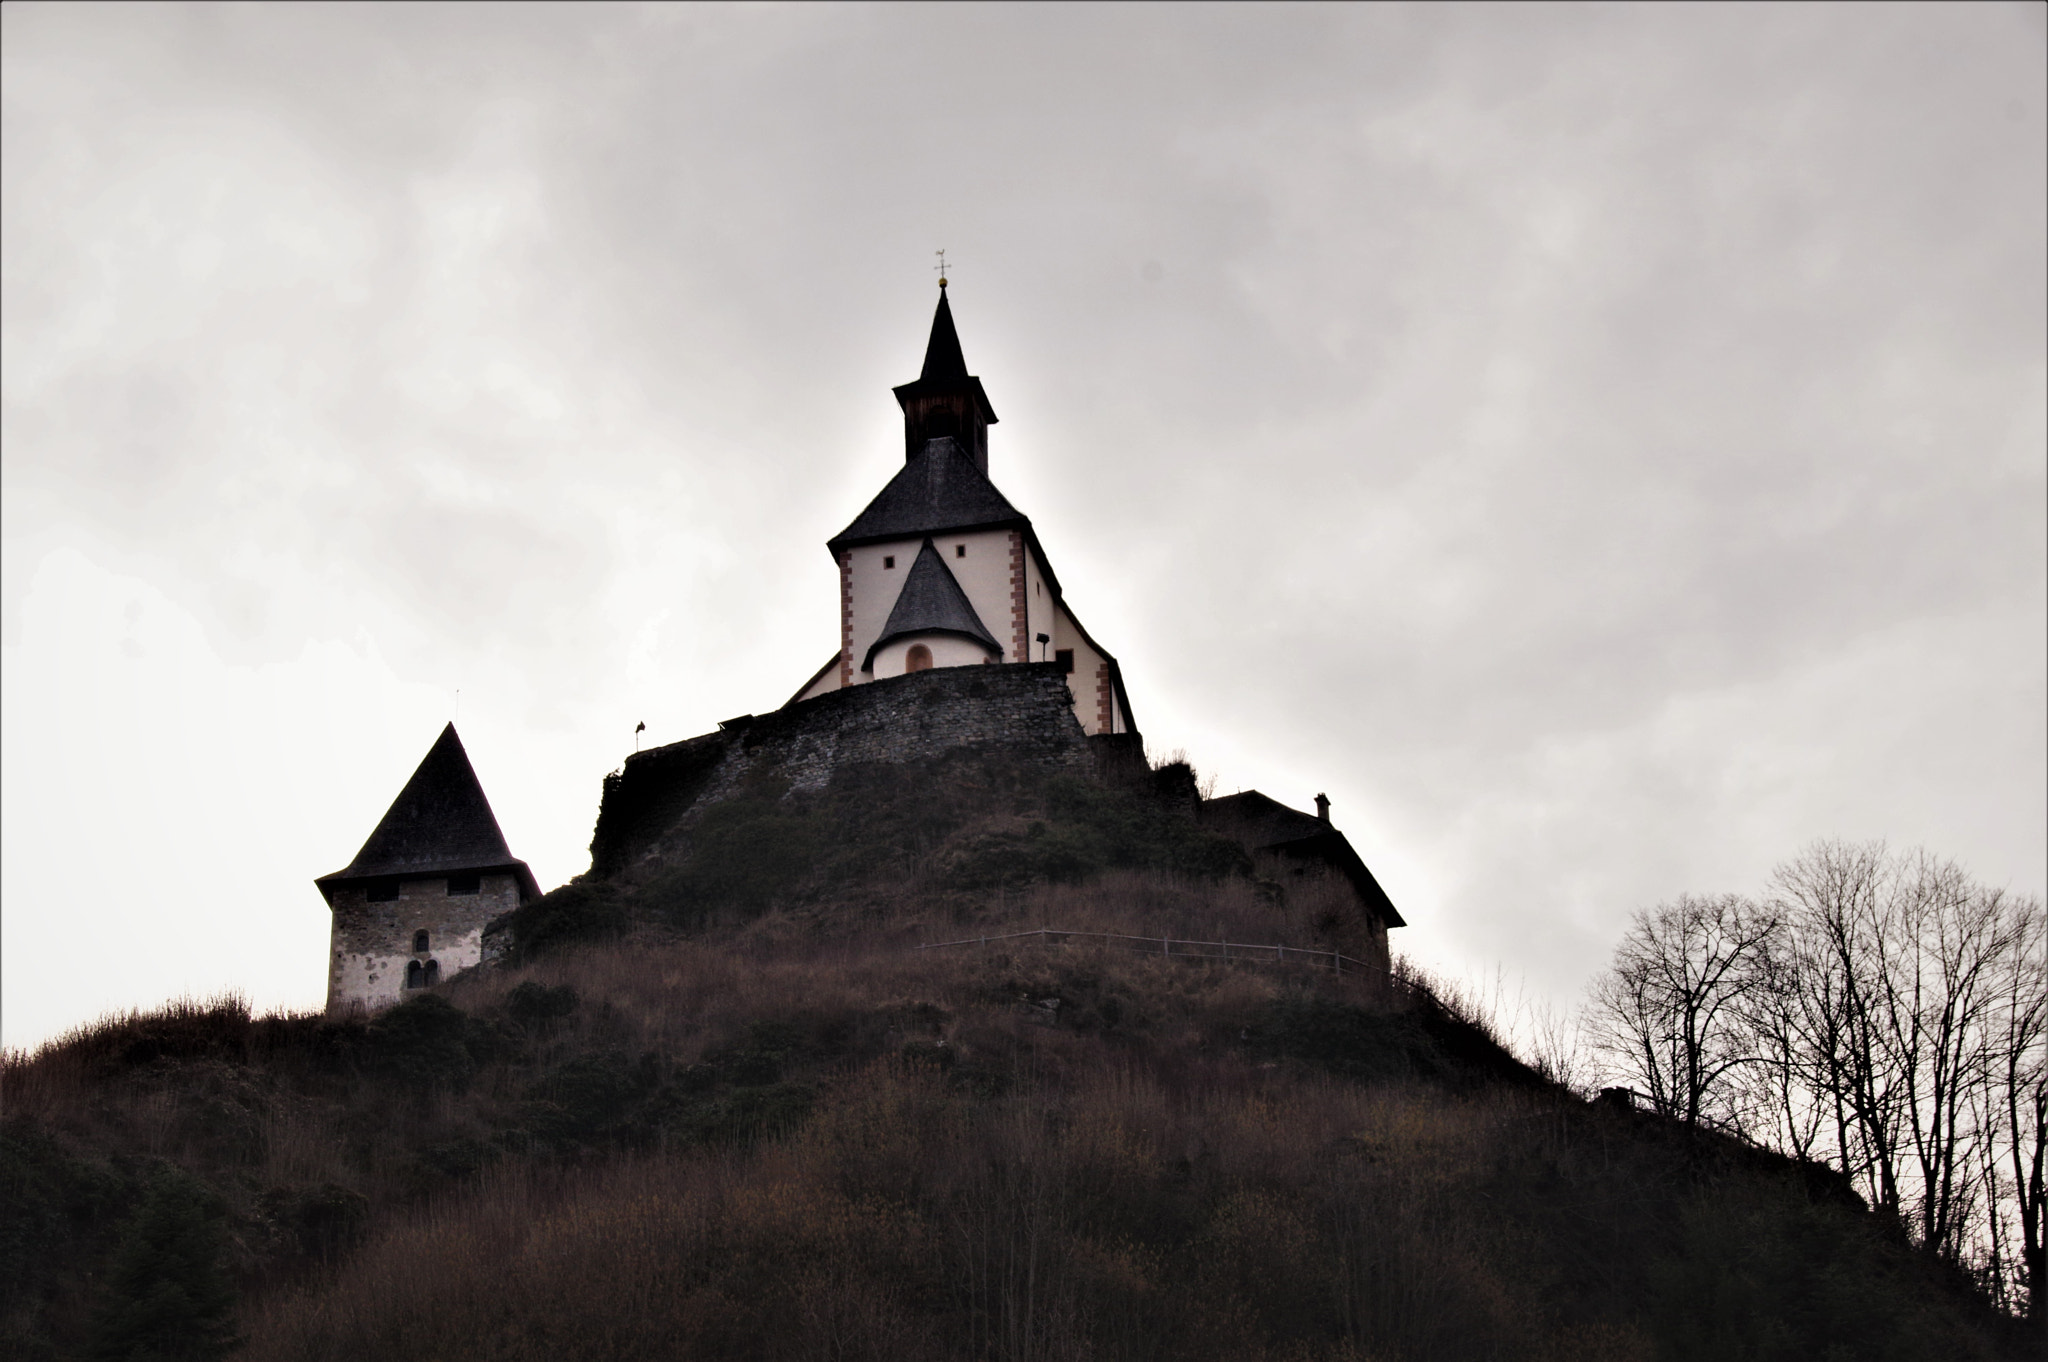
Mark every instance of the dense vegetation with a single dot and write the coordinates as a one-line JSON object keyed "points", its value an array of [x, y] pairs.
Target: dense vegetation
{"points": [[703, 1118]]}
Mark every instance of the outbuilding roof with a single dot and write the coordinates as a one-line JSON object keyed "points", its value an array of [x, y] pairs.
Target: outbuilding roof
{"points": [[937, 490], [1265, 824], [932, 602], [440, 824]]}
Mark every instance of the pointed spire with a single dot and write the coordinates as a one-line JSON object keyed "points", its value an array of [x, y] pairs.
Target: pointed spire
{"points": [[440, 823], [946, 400], [942, 357]]}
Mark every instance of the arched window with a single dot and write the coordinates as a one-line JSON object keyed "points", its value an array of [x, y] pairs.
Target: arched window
{"points": [[415, 975], [433, 975], [419, 942], [918, 659]]}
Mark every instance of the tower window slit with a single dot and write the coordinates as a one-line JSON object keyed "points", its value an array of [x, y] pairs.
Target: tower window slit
{"points": [[419, 943]]}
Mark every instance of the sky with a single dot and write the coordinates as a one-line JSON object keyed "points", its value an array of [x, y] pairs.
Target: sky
{"points": [[1603, 448]]}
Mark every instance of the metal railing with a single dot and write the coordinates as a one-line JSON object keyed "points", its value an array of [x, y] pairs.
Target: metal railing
{"points": [[1642, 1101], [1173, 948]]}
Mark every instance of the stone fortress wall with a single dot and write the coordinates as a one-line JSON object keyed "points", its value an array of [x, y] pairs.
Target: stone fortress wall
{"points": [[1025, 710]]}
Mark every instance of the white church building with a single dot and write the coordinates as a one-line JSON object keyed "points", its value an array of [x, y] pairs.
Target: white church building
{"points": [[941, 570]]}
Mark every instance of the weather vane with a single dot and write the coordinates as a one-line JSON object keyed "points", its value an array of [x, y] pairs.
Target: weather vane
{"points": [[941, 267]]}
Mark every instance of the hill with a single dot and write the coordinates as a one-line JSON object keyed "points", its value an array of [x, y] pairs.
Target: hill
{"points": [[727, 1110]]}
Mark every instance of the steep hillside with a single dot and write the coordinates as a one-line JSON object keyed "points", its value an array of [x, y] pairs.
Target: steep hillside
{"points": [[728, 1110]]}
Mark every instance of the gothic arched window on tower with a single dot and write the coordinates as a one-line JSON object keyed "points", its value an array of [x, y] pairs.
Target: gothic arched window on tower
{"points": [[419, 942], [433, 973], [415, 974], [918, 659]]}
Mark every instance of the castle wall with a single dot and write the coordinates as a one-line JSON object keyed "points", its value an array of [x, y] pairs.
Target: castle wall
{"points": [[372, 943], [1026, 711]]}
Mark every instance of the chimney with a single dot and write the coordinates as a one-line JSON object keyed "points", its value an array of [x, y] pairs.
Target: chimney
{"points": [[1323, 807]]}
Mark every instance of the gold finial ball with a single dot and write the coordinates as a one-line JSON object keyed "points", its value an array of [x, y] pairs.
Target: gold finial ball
{"points": [[942, 281]]}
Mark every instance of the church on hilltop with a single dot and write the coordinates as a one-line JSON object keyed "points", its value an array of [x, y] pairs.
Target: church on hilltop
{"points": [[955, 636], [941, 570]]}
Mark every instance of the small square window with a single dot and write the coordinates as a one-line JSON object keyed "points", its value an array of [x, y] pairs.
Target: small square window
{"points": [[959, 550], [463, 884], [1065, 657], [889, 561]]}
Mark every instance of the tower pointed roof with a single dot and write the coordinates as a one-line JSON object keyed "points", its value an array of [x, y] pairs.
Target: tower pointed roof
{"points": [[945, 375], [942, 357], [440, 824], [932, 602]]}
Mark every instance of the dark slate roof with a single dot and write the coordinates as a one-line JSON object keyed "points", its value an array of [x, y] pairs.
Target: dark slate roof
{"points": [[440, 824], [938, 490], [942, 357], [945, 368], [1261, 821], [931, 602], [1265, 824]]}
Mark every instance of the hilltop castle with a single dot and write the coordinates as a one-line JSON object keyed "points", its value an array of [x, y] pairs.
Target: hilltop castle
{"points": [[954, 633]]}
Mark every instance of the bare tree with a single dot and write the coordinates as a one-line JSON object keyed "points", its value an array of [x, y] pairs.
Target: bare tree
{"points": [[1883, 1013], [2017, 1099], [1834, 897], [1671, 1013]]}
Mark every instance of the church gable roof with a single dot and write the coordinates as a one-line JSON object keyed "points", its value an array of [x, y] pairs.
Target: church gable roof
{"points": [[440, 824], [937, 490], [931, 602]]}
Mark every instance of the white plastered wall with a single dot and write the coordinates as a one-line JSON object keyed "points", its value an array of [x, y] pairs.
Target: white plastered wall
{"points": [[983, 573], [948, 650], [1045, 614], [828, 680]]}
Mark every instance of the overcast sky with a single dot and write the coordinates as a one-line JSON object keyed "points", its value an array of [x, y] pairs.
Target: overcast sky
{"points": [[1601, 448]]}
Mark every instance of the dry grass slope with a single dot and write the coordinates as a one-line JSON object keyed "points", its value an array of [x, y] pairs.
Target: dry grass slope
{"points": [[767, 1145]]}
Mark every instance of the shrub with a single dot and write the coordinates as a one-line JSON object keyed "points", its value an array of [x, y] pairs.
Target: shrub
{"points": [[535, 1005], [422, 1043], [580, 911], [168, 1298]]}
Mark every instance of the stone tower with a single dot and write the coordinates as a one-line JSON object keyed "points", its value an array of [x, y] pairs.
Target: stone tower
{"points": [[410, 910]]}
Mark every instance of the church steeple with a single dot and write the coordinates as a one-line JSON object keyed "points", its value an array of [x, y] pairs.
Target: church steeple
{"points": [[946, 399]]}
